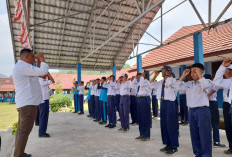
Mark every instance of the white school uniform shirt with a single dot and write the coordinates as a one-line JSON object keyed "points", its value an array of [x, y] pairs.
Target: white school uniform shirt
{"points": [[181, 90], [144, 87], [117, 89], [169, 89], [26, 81], [196, 93], [92, 89], [111, 88], [213, 97], [154, 87], [224, 83], [97, 91], [125, 88], [81, 90], [134, 87], [44, 84]]}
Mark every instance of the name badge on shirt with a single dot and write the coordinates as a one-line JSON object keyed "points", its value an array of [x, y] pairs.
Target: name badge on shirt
{"points": [[166, 86], [141, 89], [200, 91]]}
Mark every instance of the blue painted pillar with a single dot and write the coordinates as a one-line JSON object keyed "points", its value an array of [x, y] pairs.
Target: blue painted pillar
{"points": [[12, 97], [79, 72], [182, 68], [198, 48], [139, 64], [114, 71]]}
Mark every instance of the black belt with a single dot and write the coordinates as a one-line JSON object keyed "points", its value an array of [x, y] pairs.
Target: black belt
{"points": [[139, 96], [125, 95], [199, 107], [110, 95]]}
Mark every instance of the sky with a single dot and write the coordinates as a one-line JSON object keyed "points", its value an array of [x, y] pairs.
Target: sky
{"points": [[183, 15]]}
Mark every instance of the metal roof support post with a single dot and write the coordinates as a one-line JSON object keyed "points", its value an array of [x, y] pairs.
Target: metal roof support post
{"points": [[124, 28], [137, 5], [139, 64], [198, 14], [209, 13], [198, 48], [79, 72], [161, 19], [223, 12], [114, 71]]}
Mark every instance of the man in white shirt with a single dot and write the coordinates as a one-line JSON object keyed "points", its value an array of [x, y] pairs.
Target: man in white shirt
{"points": [[44, 107], [133, 100], [199, 113], [28, 95]]}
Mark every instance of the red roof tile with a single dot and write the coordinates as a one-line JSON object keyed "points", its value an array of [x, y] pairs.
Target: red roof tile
{"points": [[215, 40]]}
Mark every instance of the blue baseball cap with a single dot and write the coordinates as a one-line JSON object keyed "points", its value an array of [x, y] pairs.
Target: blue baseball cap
{"points": [[167, 68]]}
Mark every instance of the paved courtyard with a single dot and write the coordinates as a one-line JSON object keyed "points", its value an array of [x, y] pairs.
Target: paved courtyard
{"points": [[73, 135]]}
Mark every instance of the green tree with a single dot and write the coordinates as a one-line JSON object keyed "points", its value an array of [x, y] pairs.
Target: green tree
{"points": [[58, 85], [126, 66]]}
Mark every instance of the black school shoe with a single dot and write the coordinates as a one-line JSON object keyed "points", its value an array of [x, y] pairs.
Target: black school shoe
{"points": [[145, 139], [45, 135], [229, 151], [171, 151], [166, 148], [112, 126], [107, 126], [139, 137], [102, 122], [126, 129], [218, 144]]}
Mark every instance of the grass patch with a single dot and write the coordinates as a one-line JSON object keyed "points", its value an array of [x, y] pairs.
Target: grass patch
{"points": [[8, 115]]}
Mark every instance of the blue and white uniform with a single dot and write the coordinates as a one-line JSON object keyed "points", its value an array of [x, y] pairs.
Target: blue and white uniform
{"points": [[133, 100], [81, 90]]}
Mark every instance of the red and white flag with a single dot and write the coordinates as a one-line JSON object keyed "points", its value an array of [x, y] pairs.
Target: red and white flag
{"points": [[20, 15]]}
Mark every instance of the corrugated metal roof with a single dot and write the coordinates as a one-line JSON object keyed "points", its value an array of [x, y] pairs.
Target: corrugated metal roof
{"points": [[65, 41]]}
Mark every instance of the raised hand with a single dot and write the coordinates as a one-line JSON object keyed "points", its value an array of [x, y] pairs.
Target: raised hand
{"points": [[186, 72], [226, 62]]}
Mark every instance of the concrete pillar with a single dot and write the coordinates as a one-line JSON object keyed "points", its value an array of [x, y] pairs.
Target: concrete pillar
{"points": [[139, 63], [114, 71], [198, 48], [79, 72]]}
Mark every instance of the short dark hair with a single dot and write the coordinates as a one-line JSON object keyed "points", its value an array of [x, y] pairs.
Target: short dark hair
{"points": [[25, 52], [104, 78], [198, 65], [97, 79], [112, 76], [82, 81]]}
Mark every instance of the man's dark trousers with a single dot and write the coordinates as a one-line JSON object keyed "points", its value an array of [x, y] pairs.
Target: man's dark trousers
{"points": [[144, 115], [183, 108], [81, 103], [213, 106], [155, 106], [228, 123], [43, 117], [133, 109], [124, 108], [169, 126], [76, 102], [201, 131]]}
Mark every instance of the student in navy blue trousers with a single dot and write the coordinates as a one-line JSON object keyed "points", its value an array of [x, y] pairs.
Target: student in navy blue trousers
{"points": [[88, 98], [124, 105], [92, 99], [154, 87], [144, 106], [133, 99], [199, 113], [168, 115], [44, 107], [111, 105], [103, 101], [223, 79], [81, 89]]}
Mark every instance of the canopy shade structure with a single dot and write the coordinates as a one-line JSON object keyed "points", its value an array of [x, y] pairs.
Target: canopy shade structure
{"points": [[96, 33]]}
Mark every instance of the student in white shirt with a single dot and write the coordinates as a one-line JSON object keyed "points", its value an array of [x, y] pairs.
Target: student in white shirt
{"points": [[133, 99], [97, 111], [44, 107], [81, 89], [28, 95], [124, 105], [199, 113], [92, 99], [154, 88], [144, 106], [111, 106]]}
